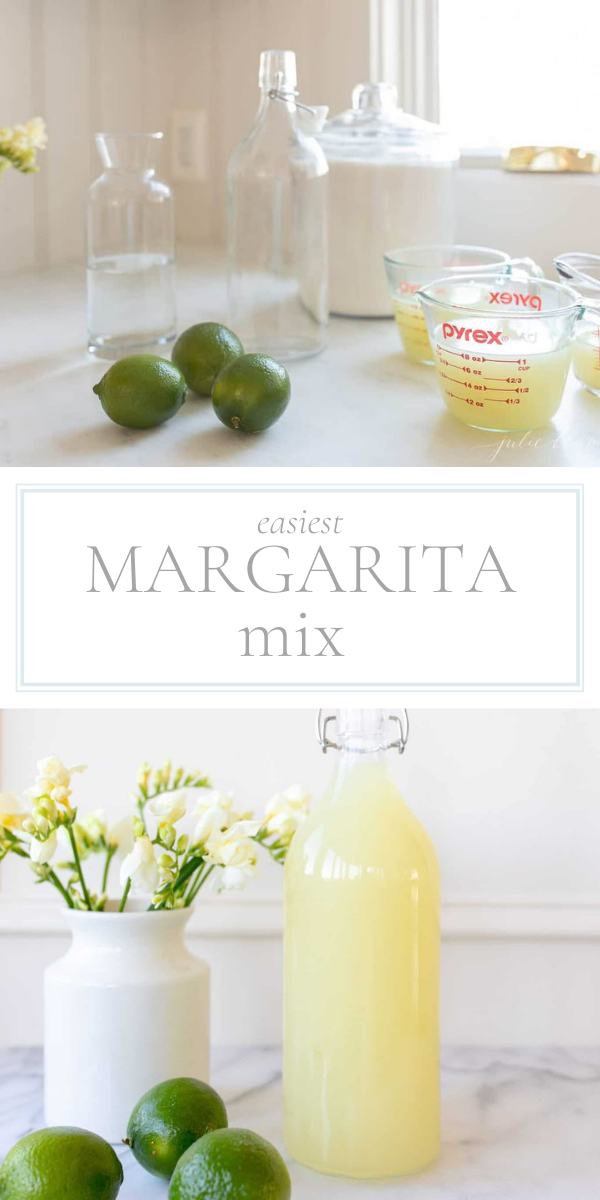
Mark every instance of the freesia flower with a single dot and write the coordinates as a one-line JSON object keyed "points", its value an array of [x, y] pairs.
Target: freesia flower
{"points": [[94, 825], [11, 811], [168, 808], [143, 774], [211, 819], [120, 835], [234, 850], [43, 852], [286, 811], [141, 868], [213, 798], [19, 143], [53, 780], [215, 811]]}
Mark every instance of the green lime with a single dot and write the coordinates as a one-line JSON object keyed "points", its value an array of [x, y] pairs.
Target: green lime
{"points": [[231, 1164], [61, 1164], [251, 393], [169, 1118], [202, 351], [141, 391]]}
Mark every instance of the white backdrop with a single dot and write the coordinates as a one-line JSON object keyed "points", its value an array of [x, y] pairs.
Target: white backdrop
{"points": [[509, 797]]}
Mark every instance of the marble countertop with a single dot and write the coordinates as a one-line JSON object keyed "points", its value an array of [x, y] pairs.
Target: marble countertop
{"points": [[359, 404], [517, 1124]]}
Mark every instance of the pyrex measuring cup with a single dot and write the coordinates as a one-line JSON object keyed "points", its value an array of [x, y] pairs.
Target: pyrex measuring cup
{"points": [[583, 271], [502, 347], [413, 267]]}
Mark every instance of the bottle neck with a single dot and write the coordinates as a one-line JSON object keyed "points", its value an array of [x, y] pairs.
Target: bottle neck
{"points": [[275, 113], [361, 759], [362, 732]]}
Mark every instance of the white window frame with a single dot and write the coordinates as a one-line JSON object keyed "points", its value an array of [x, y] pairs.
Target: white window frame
{"points": [[404, 46]]}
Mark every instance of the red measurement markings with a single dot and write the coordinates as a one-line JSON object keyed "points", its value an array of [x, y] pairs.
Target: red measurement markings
{"points": [[460, 382], [521, 362], [465, 399]]}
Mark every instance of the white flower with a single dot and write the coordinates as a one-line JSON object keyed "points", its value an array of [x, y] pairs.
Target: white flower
{"points": [[169, 808], [214, 810], [234, 850], [286, 811], [212, 798], [42, 852], [121, 836], [211, 820], [63, 843], [141, 867], [94, 825], [53, 780], [11, 811]]}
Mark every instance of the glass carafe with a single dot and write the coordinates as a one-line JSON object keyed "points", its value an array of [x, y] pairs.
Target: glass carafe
{"points": [[277, 224], [361, 1062], [130, 249]]}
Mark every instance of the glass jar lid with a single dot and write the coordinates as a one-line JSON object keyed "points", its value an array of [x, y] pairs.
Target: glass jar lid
{"points": [[376, 130]]}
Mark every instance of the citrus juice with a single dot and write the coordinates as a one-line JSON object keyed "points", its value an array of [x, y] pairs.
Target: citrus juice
{"points": [[586, 359], [361, 1064], [412, 328], [515, 384]]}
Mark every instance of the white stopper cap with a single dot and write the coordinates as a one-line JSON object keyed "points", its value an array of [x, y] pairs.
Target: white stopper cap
{"points": [[274, 64]]}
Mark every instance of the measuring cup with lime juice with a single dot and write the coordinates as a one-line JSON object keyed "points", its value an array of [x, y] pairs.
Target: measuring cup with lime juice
{"points": [[413, 267], [502, 347], [582, 271]]}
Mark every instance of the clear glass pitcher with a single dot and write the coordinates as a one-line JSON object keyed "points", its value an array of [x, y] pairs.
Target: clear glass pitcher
{"points": [[277, 224], [362, 932], [502, 347], [130, 249]]}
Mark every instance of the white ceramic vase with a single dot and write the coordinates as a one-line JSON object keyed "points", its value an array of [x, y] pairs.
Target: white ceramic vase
{"points": [[127, 1007]]}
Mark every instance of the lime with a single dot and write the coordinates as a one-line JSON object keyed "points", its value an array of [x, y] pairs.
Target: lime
{"points": [[61, 1164], [169, 1118], [202, 351], [141, 391], [234, 1164], [251, 393]]}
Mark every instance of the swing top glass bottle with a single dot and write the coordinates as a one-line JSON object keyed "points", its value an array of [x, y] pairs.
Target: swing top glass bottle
{"points": [[361, 1038], [277, 224]]}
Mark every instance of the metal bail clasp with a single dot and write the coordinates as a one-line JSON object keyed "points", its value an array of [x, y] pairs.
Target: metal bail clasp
{"points": [[290, 97], [399, 744]]}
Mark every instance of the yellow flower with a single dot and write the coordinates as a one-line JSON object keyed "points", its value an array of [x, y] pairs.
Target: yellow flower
{"points": [[18, 144], [11, 812]]}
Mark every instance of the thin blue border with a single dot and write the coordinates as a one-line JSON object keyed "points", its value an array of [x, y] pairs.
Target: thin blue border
{"points": [[221, 688]]}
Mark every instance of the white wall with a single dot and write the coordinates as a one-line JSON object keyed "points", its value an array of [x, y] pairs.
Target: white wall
{"points": [[510, 798], [128, 64], [84, 65], [88, 65]]}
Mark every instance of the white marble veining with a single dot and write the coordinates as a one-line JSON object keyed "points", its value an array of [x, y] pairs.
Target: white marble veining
{"points": [[517, 1124], [359, 404]]}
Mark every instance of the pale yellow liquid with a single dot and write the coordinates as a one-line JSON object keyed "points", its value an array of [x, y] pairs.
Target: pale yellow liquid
{"points": [[361, 1063], [412, 327], [586, 359], [516, 386]]}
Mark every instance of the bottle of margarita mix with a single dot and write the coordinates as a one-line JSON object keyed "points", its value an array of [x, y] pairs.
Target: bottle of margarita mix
{"points": [[362, 934]]}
